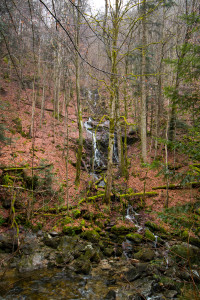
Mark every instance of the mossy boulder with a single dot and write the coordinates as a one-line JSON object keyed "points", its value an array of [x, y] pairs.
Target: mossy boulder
{"points": [[155, 227], [145, 254], [149, 235], [187, 252], [122, 230], [135, 237], [72, 230], [108, 251], [91, 235], [82, 266]]}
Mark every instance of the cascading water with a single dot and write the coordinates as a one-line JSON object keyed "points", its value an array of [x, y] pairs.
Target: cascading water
{"points": [[90, 130], [132, 216]]}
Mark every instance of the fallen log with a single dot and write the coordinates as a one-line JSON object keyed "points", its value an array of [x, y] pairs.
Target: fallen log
{"points": [[138, 195], [178, 186]]}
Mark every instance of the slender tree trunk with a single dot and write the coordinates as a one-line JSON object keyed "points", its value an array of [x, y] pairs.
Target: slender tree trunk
{"points": [[113, 96], [79, 109], [143, 89]]}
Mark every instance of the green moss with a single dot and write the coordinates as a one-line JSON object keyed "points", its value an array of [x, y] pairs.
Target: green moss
{"points": [[118, 230], [135, 237], [76, 213], [155, 227], [149, 235], [67, 220], [91, 235], [72, 230]]}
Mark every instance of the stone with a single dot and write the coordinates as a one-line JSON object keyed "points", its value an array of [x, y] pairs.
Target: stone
{"points": [[91, 235], [145, 254], [137, 271], [50, 241], [32, 262], [185, 251], [135, 237], [109, 251], [170, 294]]}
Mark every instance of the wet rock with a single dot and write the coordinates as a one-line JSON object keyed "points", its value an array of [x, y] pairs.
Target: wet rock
{"points": [[145, 254], [32, 262]]}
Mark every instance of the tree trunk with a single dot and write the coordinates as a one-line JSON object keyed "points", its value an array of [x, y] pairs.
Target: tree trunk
{"points": [[143, 89], [79, 110]]}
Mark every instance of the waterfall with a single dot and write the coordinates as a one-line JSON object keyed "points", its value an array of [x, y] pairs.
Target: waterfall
{"points": [[131, 216], [96, 153]]}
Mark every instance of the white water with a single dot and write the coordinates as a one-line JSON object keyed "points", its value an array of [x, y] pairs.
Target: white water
{"points": [[97, 155], [131, 216]]}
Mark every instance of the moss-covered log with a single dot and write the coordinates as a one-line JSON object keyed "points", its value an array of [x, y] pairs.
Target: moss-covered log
{"points": [[178, 186], [138, 195]]}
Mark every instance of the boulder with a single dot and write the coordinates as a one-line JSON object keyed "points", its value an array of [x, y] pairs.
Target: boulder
{"points": [[145, 254]]}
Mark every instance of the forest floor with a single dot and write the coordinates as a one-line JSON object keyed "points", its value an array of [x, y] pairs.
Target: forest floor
{"points": [[48, 144]]}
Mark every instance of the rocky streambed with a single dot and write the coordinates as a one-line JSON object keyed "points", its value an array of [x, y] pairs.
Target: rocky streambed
{"points": [[118, 263]]}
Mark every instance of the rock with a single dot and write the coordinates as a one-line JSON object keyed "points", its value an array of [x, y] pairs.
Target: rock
{"points": [[119, 230], [145, 254], [109, 251], [170, 294], [72, 230], [104, 265], [32, 262], [185, 251], [54, 233], [135, 237], [81, 266], [137, 271], [50, 241], [9, 241], [91, 235]]}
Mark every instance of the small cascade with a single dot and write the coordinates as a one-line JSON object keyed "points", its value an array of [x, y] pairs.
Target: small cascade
{"points": [[97, 155], [132, 216], [167, 255], [156, 241]]}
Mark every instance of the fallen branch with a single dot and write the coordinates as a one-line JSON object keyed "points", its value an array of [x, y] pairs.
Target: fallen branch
{"points": [[3, 168], [21, 188]]}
